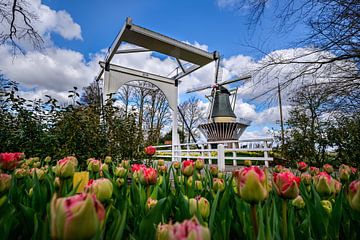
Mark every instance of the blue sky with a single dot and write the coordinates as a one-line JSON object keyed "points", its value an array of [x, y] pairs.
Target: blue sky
{"points": [[77, 33]]}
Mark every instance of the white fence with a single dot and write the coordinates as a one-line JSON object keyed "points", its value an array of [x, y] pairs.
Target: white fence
{"points": [[218, 151]]}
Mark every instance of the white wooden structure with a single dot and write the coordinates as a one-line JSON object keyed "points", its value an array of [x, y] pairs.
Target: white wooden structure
{"points": [[116, 76], [225, 150]]}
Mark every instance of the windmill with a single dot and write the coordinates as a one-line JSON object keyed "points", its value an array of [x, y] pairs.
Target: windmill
{"points": [[222, 122]]}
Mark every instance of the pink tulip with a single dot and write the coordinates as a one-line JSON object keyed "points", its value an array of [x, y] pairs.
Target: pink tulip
{"points": [[324, 184], [354, 195], [5, 182], [302, 166], [137, 167], [286, 185], [9, 161], [76, 217], [148, 176], [314, 171], [328, 168], [306, 178]]}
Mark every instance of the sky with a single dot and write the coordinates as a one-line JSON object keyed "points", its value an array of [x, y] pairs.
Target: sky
{"points": [[78, 33]]}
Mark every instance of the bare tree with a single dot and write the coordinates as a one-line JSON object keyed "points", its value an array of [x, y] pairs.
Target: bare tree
{"points": [[16, 22]]}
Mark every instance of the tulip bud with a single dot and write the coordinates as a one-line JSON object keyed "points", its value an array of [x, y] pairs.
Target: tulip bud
{"points": [[102, 188], [108, 160], [353, 195], [221, 174], [65, 168], [188, 168], [125, 164], [306, 178], [148, 176], [247, 163], [218, 184], [160, 162], [327, 206], [120, 182], [252, 184], [120, 172], [337, 186], [199, 164], [20, 173], [5, 182], [162, 169], [302, 166], [76, 217], [37, 164], [188, 229], [40, 174], [189, 181], [314, 171], [94, 165], [150, 203], [104, 167], [344, 172], [57, 182], [328, 168], [47, 159], [286, 185], [324, 184], [298, 202], [201, 204], [150, 150], [176, 165], [198, 185], [278, 168], [31, 191], [214, 170]]}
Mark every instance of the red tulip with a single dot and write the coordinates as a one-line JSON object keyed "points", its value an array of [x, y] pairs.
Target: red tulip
{"points": [[286, 185], [150, 150], [148, 176], [302, 166], [9, 161], [137, 167], [188, 168]]}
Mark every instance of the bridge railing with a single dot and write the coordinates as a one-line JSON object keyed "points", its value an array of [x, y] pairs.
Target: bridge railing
{"points": [[220, 151]]}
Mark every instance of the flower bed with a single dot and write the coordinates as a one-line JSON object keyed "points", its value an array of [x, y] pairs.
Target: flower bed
{"points": [[111, 200]]}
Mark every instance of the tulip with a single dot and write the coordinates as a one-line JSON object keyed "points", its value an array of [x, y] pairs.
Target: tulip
{"points": [[199, 164], [278, 168], [5, 182], [286, 185], [137, 167], [189, 181], [337, 186], [94, 165], [47, 159], [188, 168], [353, 170], [302, 166], [298, 202], [37, 164], [125, 164], [150, 150], [198, 185], [108, 160], [162, 169], [102, 188], [120, 182], [328, 168], [20, 173], [201, 204], [344, 172], [221, 174], [104, 167], [252, 184], [324, 184], [65, 168], [218, 184], [327, 206], [9, 161], [247, 163], [306, 178], [40, 174], [120, 172], [176, 165], [214, 170], [148, 176], [314, 171], [353, 195], [188, 229], [150, 203], [76, 217], [160, 162]]}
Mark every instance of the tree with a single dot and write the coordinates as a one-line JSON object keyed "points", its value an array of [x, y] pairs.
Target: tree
{"points": [[16, 19], [194, 115]]}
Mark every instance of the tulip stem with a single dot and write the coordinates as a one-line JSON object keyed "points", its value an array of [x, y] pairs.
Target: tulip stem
{"points": [[284, 218], [254, 220]]}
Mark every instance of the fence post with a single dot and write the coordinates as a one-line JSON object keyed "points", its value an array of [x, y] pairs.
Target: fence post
{"points": [[234, 154], [209, 154], [221, 157], [266, 156]]}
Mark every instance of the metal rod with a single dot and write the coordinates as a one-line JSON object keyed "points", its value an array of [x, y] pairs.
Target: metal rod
{"points": [[281, 116]]}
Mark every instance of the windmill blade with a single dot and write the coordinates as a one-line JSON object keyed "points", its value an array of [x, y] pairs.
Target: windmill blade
{"points": [[243, 78], [199, 88]]}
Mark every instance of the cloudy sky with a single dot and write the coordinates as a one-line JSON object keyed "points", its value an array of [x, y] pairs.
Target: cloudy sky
{"points": [[77, 34]]}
